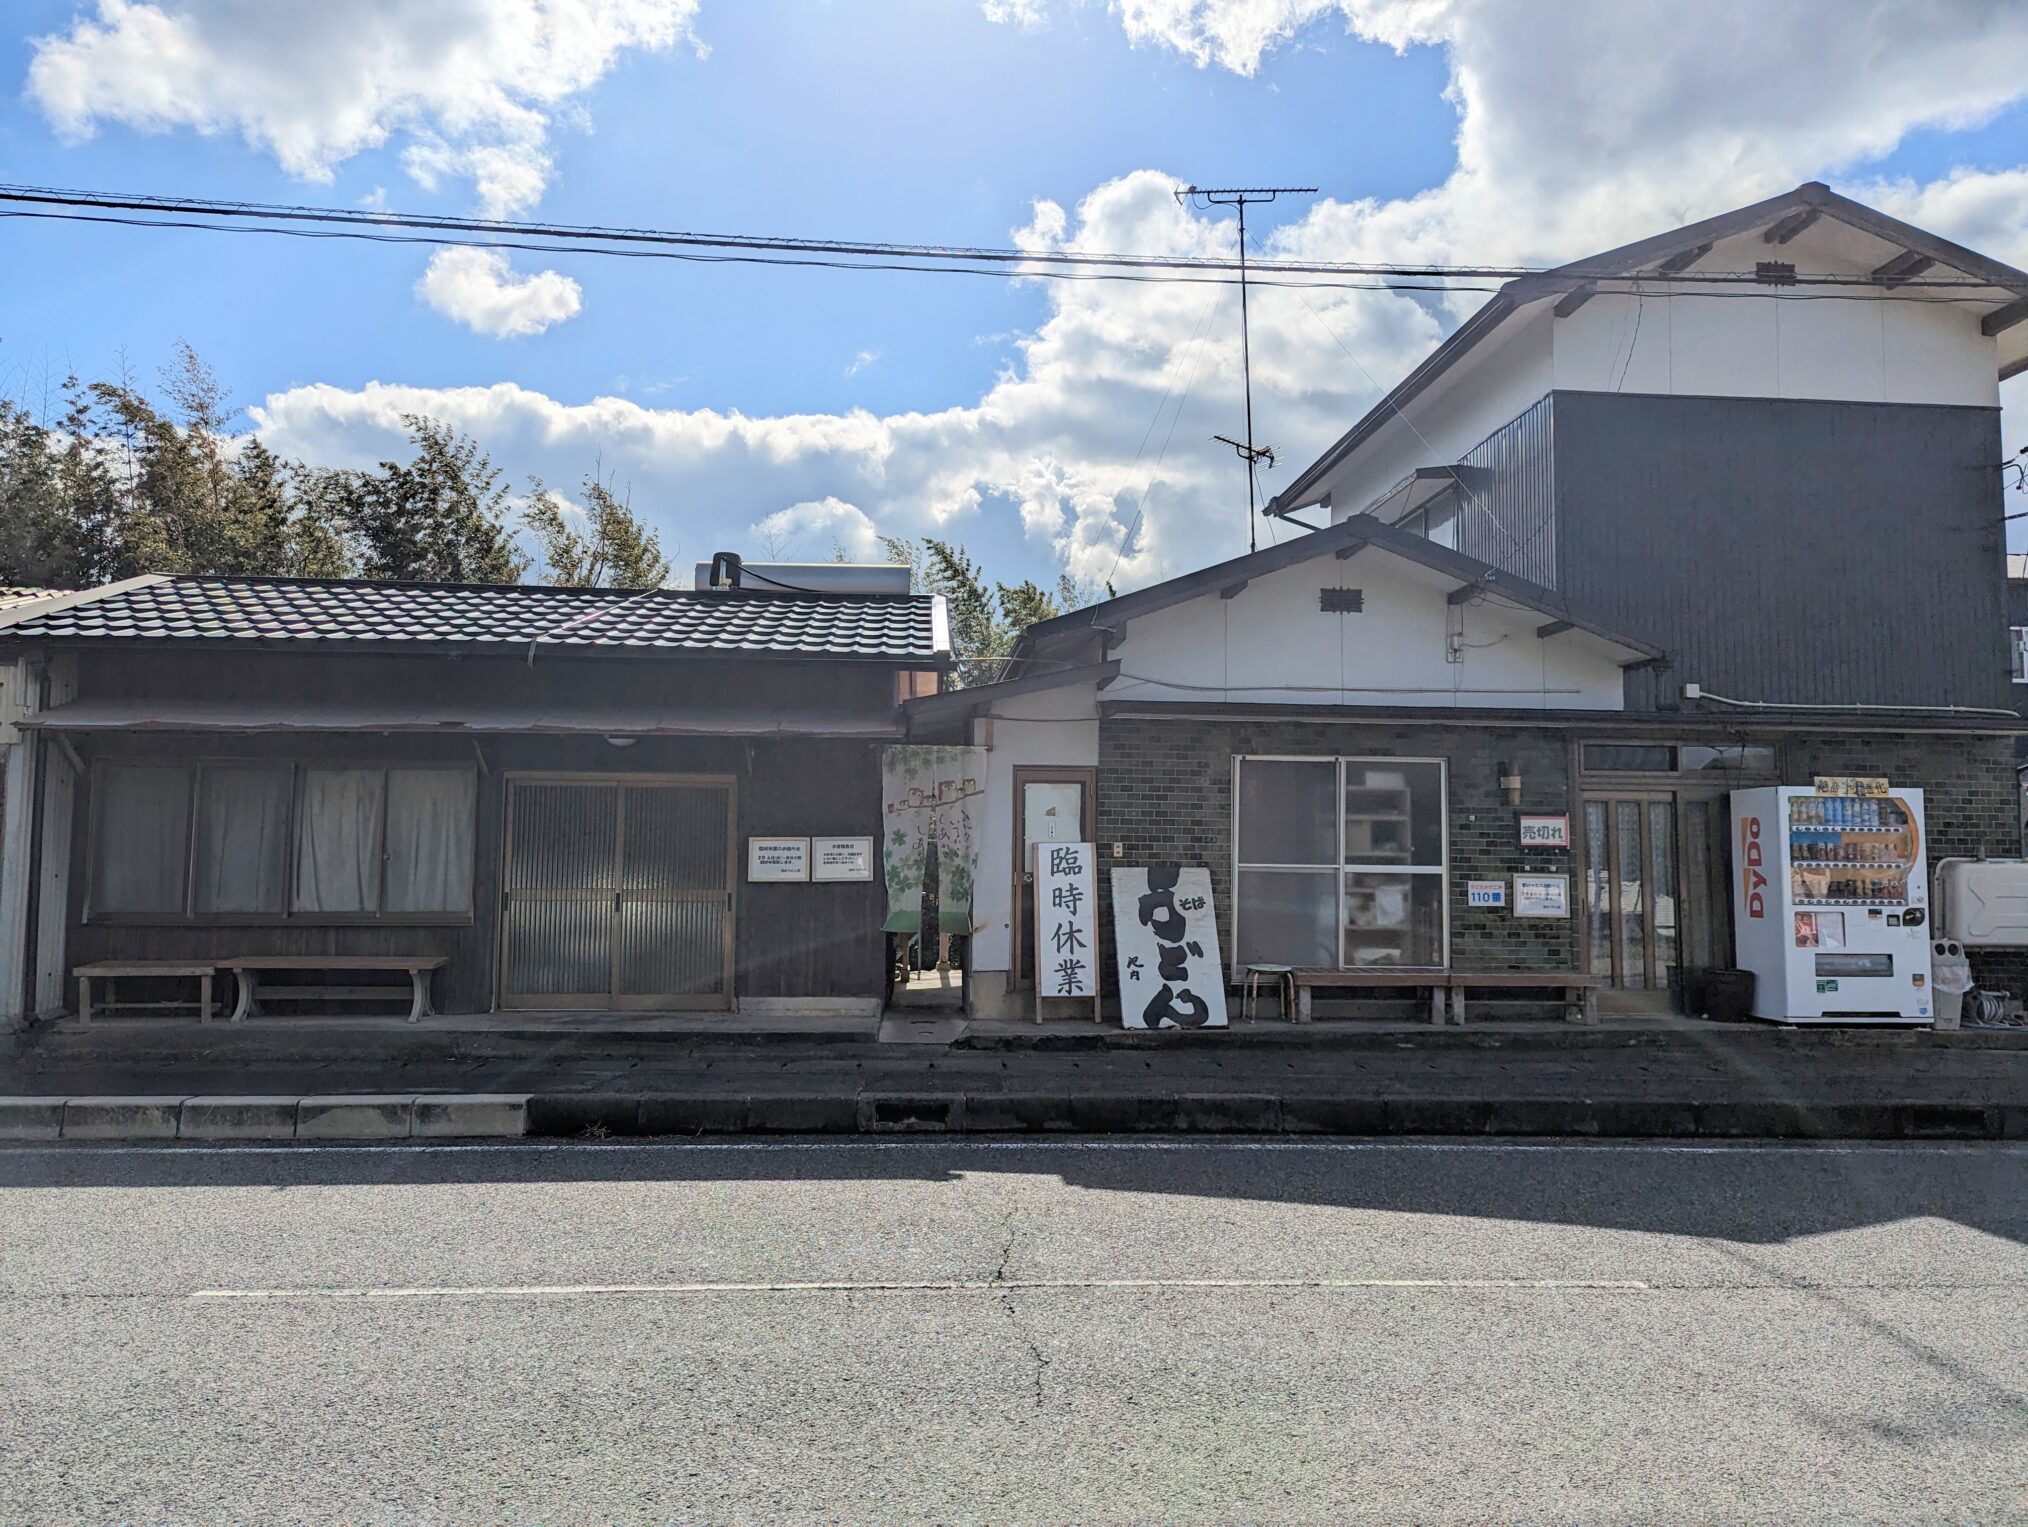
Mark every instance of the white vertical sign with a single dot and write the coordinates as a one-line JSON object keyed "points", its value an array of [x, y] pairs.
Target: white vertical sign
{"points": [[1066, 920], [1166, 940]]}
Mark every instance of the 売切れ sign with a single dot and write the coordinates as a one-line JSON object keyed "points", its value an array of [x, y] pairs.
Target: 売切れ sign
{"points": [[1166, 943], [1066, 921], [1545, 831]]}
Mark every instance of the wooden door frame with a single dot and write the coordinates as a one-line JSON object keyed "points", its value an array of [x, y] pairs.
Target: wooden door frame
{"points": [[1609, 796], [615, 1001], [1020, 979]]}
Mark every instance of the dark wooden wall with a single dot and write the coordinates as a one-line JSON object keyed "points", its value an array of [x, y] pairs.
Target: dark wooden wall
{"points": [[800, 940]]}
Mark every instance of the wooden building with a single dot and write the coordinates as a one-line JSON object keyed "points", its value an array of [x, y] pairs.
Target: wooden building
{"points": [[551, 790]]}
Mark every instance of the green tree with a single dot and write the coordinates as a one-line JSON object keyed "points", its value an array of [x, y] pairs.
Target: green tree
{"points": [[439, 518], [986, 620], [613, 549]]}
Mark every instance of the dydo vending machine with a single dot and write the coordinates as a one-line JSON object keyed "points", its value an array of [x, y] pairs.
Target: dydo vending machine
{"points": [[1830, 902]]}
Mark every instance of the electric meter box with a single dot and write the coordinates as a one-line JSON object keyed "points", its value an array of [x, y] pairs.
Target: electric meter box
{"points": [[1983, 903]]}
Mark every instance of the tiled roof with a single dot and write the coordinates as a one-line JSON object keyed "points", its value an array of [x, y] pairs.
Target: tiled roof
{"points": [[190, 608], [12, 598]]}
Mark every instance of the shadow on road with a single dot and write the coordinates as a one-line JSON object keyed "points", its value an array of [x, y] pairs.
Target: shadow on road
{"points": [[1749, 1194]]}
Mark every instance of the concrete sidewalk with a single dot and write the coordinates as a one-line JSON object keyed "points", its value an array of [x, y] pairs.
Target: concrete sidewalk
{"points": [[1644, 1080]]}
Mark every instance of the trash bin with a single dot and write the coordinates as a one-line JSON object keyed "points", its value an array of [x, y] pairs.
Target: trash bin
{"points": [[1728, 995], [1950, 978]]}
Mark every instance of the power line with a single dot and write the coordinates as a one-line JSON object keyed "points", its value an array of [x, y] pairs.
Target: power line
{"points": [[377, 224]]}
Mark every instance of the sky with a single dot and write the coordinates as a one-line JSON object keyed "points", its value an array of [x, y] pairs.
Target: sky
{"points": [[1045, 425]]}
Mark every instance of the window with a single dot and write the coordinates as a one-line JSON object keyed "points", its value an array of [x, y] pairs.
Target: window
{"points": [[226, 842], [1340, 862], [1673, 758], [2017, 642]]}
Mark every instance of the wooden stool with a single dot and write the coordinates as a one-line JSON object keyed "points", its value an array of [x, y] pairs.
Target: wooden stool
{"points": [[1284, 978]]}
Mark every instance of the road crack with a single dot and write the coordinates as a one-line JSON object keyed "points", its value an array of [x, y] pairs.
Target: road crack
{"points": [[1038, 1360]]}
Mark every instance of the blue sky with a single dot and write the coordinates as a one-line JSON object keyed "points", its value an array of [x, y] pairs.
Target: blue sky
{"points": [[1009, 415]]}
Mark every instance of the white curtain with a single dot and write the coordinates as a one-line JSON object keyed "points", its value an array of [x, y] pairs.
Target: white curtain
{"points": [[429, 840], [143, 832], [338, 840], [242, 839]]}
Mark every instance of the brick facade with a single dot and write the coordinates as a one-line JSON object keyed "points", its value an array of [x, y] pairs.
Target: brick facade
{"points": [[1165, 793], [1971, 800]]}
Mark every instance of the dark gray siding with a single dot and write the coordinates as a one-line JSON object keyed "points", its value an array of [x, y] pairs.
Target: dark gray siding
{"points": [[1788, 551]]}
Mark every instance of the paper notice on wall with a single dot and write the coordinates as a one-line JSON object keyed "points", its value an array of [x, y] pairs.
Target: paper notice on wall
{"points": [[1165, 941], [1066, 919]]}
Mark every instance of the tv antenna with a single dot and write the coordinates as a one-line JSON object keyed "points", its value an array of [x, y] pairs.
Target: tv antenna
{"points": [[1240, 196]]}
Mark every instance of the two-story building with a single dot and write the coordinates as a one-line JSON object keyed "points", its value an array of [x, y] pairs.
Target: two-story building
{"points": [[1718, 508]]}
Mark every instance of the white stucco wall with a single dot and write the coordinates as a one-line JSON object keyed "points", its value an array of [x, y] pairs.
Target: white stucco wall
{"points": [[1053, 727], [1849, 344], [1270, 644], [1504, 375]]}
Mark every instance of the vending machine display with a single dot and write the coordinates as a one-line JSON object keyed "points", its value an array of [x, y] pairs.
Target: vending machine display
{"points": [[1831, 904]]}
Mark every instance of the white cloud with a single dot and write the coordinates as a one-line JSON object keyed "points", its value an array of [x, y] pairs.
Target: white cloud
{"points": [[474, 86], [1581, 125], [809, 532], [478, 288], [861, 361]]}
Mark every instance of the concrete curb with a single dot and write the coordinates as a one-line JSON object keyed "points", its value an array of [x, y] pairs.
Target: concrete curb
{"points": [[353, 1116], [475, 1116], [597, 1116]]}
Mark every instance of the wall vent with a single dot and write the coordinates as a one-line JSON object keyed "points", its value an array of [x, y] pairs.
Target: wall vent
{"points": [[1341, 601], [1774, 272]]}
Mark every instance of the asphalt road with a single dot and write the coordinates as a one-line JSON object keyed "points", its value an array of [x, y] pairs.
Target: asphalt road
{"points": [[1039, 1332]]}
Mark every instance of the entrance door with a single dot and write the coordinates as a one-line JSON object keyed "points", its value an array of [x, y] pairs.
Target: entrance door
{"points": [[618, 893], [1050, 806], [1631, 898]]}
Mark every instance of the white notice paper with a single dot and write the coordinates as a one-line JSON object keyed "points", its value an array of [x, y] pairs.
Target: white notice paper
{"points": [[1167, 945]]}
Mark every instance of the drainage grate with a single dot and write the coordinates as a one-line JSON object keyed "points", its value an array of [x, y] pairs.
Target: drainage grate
{"points": [[930, 1114]]}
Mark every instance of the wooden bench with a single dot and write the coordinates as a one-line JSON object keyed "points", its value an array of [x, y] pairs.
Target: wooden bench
{"points": [[1431, 980], [110, 971], [248, 968], [1580, 992]]}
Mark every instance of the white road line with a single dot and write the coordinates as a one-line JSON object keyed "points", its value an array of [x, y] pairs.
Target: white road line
{"points": [[961, 1142], [939, 1286]]}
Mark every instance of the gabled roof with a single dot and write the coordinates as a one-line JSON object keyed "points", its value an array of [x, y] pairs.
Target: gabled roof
{"points": [[1781, 216], [188, 609], [1346, 538]]}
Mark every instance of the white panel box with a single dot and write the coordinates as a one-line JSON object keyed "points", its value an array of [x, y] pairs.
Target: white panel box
{"points": [[1983, 903]]}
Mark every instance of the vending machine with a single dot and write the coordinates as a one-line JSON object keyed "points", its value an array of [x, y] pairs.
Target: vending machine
{"points": [[1830, 902]]}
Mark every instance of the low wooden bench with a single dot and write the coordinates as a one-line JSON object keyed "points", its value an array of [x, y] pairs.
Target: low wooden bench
{"points": [[1580, 992], [248, 968], [110, 971], [1432, 981]]}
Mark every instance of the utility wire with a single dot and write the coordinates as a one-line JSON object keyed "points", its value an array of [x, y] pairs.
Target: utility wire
{"points": [[198, 211]]}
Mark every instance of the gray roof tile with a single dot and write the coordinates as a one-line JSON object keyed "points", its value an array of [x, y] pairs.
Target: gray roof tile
{"points": [[876, 627]]}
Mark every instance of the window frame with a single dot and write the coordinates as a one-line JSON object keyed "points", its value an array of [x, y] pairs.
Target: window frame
{"points": [[295, 765], [1340, 869]]}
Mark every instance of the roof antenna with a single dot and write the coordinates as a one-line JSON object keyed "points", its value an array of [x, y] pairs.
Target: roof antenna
{"points": [[1239, 196]]}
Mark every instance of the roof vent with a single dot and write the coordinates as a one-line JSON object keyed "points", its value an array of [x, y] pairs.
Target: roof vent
{"points": [[1341, 601], [1775, 272]]}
